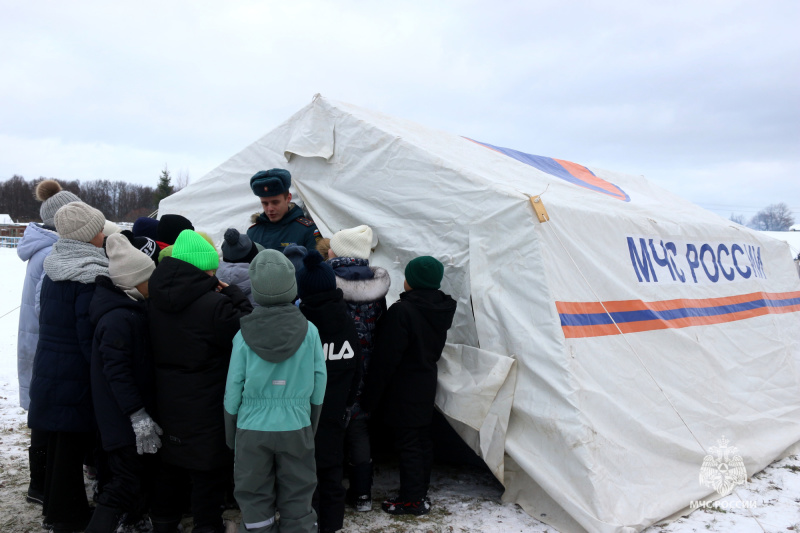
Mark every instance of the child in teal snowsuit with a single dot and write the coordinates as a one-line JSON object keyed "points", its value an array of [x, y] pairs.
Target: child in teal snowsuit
{"points": [[273, 399]]}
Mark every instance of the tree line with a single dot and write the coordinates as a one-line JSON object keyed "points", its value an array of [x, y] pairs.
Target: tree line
{"points": [[774, 217], [119, 201]]}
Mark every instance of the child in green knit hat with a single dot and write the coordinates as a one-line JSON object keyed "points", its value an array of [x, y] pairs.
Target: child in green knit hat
{"points": [[193, 318], [403, 375]]}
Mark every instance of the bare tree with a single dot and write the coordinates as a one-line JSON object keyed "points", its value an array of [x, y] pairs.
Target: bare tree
{"points": [[16, 199], [774, 217], [181, 180], [738, 218]]}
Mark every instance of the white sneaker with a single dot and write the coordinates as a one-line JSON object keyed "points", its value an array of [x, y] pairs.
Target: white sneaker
{"points": [[363, 503]]}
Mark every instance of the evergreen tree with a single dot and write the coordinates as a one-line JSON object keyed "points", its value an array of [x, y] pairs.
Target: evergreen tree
{"points": [[164, 187]]}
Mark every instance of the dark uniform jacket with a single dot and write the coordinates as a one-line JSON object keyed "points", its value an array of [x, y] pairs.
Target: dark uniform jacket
{"points": [[61, 399], [409, 341], [293, 228], [192, 328], [122, 364]]}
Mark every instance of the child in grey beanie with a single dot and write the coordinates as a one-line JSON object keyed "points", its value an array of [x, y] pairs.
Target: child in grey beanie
{"points": [[51, 195]]}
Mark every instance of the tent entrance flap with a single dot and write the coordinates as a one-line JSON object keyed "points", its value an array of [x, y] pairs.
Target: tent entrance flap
{"points": [[476, 390]]}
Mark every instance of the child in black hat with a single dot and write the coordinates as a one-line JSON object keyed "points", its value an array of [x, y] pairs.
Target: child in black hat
{"points": [[409, 341], [324, 306], [146, 245], [169, 227]]}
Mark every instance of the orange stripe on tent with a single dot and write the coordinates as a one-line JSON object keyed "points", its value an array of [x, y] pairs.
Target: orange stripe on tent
{"points": [[600, 330], [584, 174], [667, 305]]}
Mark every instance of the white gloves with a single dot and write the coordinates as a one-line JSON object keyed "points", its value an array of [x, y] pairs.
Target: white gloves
{"points": [[146, 431]]}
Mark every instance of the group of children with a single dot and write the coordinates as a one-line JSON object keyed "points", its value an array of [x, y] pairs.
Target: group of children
{"points": [[176, 357]]}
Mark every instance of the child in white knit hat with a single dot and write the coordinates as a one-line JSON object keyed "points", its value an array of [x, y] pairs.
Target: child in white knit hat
{"points": [[364, 288], [123, 389]]}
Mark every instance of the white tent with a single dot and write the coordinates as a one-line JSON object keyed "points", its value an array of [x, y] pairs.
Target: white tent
{"points": [[603, 345], [791, 237]]}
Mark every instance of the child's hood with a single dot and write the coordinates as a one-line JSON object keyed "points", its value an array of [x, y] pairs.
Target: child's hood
{"points": [[326, 310], [437, 307], [35, 238], [175, 284], [274, 332], [233, 273]]}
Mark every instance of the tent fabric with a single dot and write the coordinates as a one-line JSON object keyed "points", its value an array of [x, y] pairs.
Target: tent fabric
{"points": [[792, 237], [605, 352]]}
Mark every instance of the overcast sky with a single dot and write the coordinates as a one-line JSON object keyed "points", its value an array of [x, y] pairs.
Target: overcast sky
{"points": [[702, 97]]}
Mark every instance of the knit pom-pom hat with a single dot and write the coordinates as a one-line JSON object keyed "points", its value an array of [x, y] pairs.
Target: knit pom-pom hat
{"points": [[195, 250], [354, 242], [424, 272], [237, 247], [78, 221], [272, 278], [53, 198], [295, 253], [315, 276]]}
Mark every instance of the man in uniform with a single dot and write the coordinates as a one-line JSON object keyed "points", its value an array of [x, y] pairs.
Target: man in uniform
{"points": [[282, 223]]}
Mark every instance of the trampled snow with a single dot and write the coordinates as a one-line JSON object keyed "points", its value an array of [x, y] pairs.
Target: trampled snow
{"points": [[465, 500]]}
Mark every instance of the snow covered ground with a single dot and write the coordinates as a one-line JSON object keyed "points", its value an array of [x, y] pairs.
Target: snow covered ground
{"points": [[465, 499]]}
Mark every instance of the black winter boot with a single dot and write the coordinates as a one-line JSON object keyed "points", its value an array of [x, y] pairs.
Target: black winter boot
{"points": [[165, 525], [104, 520], [359, 495], [37, 462]]}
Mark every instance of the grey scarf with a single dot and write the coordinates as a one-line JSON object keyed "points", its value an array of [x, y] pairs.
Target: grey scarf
{"points": [[73, 260]]}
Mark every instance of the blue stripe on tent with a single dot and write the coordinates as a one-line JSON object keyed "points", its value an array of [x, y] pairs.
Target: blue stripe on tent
{"points": [[545, 164], [590, 319], [554, 168]]}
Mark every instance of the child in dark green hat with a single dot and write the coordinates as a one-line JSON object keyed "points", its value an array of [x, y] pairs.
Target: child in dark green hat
{"points": [[409, 341]]}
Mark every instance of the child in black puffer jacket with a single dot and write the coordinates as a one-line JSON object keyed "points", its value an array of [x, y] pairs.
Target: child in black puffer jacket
{"points": [[409, 343], [323, 305]]}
